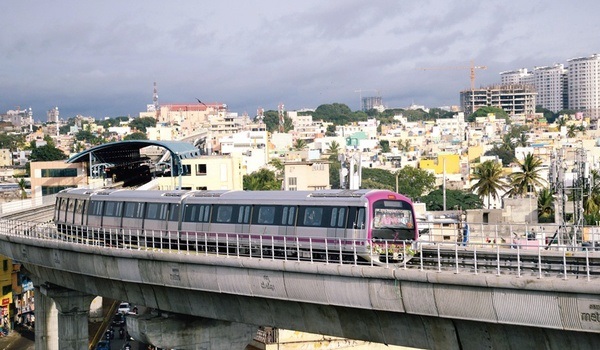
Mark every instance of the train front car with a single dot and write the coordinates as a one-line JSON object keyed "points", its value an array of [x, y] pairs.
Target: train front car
{"points": [[392, 226]]}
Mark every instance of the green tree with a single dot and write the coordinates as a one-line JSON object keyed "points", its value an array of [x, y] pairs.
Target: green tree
{"points": [[141, 124], [11, 142], [385, 146], [46, 153], [489, 181], [23, 188], [591, 202], [412, 182], [528, 179], [507, 156], [136, 136], [263, 179], [333, 149], [330, 130], [545, 206], [404, 145], [271, 120], [299, 145], [455, 199], [484, 111], [572, 131]]}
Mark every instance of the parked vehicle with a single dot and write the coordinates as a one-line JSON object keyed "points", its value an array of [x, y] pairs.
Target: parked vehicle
{"points": [[124, 308]]}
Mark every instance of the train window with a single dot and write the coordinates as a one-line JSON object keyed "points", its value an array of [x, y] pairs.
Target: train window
{"points": [[204, 214], [96, 208], [71, 205], [244, 214], [196, 213], [360, 218], [134, 210], [174, 212], [224, 213], [338, 216], [79, 206], [113, 209], [291, 219], [313, 216], [341, 217], [63, 204], [156, 211], [266, 215]]}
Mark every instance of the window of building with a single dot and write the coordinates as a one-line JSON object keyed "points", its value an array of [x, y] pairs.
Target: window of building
{"points": [[186, 169], [48, 190], [200, 169], [59, 172], [292, 181]]}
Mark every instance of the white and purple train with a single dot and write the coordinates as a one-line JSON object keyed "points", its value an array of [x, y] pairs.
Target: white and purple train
{"points": [[360, 222]]}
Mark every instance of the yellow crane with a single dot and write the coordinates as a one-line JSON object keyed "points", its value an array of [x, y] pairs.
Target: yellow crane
{"points": [[471, 67]]}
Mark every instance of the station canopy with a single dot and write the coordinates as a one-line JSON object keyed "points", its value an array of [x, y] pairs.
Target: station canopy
{"points": [[128, 152]]}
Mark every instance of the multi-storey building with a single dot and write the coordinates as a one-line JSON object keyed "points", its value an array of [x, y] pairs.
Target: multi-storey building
{"points": [[518, 76], [513, 99], [550, 84], [584, 85]]}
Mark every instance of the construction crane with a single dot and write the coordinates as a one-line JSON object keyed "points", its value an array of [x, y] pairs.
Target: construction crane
{"points": [[472, 68]]}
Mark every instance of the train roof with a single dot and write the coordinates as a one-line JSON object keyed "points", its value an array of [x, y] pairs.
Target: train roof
{"points": [[231, 195]]}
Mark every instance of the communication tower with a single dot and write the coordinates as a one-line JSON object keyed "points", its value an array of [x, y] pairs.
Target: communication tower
{"points": [[281, 111], [155, 101]]}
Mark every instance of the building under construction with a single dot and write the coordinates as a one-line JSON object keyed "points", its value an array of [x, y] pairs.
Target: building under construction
{"points": [[513, 99]]}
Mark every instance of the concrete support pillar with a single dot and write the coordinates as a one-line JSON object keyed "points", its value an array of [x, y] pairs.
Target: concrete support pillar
{"points": [[46, 332], [72, 326]]}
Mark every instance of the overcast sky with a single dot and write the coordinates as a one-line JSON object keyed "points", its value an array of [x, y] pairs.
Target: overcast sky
{"points": [[101, 58]]}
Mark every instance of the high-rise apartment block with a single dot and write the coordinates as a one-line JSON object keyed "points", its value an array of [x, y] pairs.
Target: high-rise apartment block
{"points": [[550, 84], [584, 85], [576, 87]]}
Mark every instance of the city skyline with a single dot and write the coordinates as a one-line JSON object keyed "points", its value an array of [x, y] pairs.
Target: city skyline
{"points": [[101, 59]]}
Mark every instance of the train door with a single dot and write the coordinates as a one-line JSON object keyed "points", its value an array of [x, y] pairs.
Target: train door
{"points": [[288, 220], [356, 224], [133, 216], [173, 217], [242, 225], [337, 223], [78, 215]]}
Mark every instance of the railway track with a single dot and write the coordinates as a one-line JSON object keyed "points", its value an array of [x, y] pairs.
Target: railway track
{"points": [[44, 213], [507, 261]]}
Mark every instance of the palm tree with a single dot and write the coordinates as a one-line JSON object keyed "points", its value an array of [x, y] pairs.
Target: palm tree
{"points": [[334, 148], [22, 187], [545, 205], [299, 145], [528, 179], [489, 180], [571, 131], [591, 202], [404, 146]]}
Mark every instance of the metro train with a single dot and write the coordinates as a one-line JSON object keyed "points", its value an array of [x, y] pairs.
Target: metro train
{"points": [[361, 222]]}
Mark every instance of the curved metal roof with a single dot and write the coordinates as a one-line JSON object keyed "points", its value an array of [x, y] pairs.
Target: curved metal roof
{"points": [[181, 150]]}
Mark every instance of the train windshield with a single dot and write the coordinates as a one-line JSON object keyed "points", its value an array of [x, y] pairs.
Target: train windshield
{"points": [[393, 219]]}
